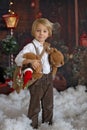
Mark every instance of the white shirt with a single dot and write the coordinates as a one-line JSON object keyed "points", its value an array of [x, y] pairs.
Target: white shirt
{"points": [[30, 48]]}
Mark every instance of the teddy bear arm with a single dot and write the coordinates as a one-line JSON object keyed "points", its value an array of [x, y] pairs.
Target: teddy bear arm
{"points": [[37, 75], [54, 70]]}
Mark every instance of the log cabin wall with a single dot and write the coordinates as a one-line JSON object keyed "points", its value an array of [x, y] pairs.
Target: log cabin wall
{"points": [[63, 12], [82, 7]]}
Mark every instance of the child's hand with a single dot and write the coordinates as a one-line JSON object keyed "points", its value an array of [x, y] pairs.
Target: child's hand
{"points": [[36, 64]]}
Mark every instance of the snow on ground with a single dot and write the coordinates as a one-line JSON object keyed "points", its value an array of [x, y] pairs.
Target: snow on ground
{"points": [[70, 110]]}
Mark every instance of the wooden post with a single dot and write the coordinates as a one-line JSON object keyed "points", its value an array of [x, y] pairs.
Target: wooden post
{"points": [[76, 23]]}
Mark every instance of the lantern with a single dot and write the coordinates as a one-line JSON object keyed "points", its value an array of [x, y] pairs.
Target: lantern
{"points": [[11, 21], [83, 39]]}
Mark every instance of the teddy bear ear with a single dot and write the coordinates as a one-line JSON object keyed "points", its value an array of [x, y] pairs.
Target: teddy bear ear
{"points": [[51, 50], [55, 50]]}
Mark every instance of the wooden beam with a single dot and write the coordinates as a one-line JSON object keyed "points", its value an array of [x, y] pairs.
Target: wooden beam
{"points": [[76, 23]]}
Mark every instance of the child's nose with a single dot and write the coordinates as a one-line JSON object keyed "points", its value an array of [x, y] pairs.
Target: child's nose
{"points": [[41, 32]]}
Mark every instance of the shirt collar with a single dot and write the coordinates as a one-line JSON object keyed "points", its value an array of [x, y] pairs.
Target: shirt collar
{"points": [[37, 43]]}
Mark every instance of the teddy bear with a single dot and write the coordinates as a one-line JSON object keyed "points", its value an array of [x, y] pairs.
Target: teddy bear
{"points": [[25, 75], [36, 73], [30, 75], [56, 58]]}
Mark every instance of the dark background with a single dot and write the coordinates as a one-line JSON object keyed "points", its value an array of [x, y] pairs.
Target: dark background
{"points": [[60, 12]]}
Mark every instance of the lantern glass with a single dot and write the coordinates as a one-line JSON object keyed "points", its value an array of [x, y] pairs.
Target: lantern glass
{"points": [[11, 20]]}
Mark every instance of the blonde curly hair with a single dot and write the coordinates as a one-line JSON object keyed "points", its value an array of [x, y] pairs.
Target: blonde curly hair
{"points": [[44, 22]]}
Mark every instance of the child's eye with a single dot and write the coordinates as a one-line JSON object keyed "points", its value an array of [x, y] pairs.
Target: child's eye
{"points": [[45, 31], [38, 30]]}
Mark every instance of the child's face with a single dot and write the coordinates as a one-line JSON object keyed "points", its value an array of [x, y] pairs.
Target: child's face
{"points": [[41, 33]]}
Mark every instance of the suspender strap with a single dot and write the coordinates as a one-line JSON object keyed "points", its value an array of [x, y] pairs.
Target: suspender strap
{"points": [[40, 55], [35, 49]]}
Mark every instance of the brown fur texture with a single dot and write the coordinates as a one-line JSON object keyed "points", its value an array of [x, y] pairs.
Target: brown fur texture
{"points": [[56, 59], [36, 74], [32, 56]]}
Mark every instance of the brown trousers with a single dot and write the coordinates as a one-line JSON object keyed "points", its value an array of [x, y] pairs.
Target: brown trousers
{"points": [[41, 97]]}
